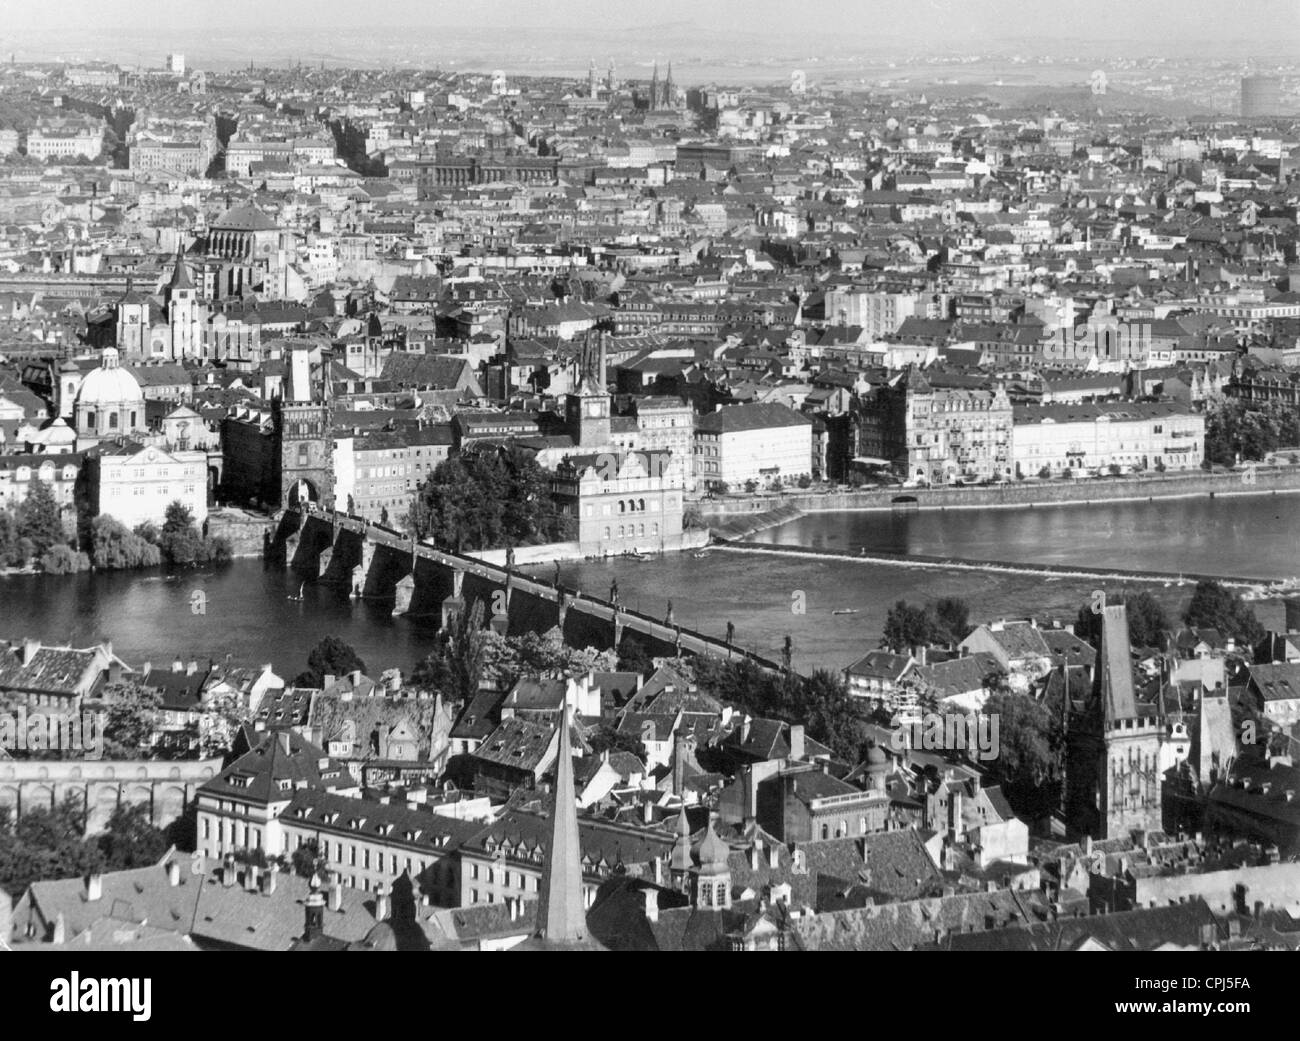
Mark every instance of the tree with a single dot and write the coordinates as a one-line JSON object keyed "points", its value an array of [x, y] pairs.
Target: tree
{"points": [[608, 738], [1029, 752], [952, 619], [632, 657], [134, 712], [907, 627], [455, 665], [330, 657], [13, 551], [179, 539], [1215, 607], [64, 560], [114, 547], [46, 843], [487, 500], [307, 860], [130, 839], [40, 519], [1147, 620]]}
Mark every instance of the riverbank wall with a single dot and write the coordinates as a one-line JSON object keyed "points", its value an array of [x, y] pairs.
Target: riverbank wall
{"points": [[728, 517], [247, 532]]}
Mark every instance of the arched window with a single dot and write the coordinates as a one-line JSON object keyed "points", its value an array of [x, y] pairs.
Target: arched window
{"points": [[622, 506], [641, 505]]}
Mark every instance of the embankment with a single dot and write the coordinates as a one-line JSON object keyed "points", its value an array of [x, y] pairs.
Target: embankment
{"points": [[754, 510]]}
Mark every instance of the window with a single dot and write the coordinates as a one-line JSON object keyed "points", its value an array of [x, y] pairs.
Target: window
{"points": [[112, 421]]}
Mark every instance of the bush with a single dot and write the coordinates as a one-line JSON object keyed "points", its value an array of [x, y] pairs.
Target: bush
{"points": [[805, 481], [1115, 469], [1045, 473], [115, 548], [64, 560]]}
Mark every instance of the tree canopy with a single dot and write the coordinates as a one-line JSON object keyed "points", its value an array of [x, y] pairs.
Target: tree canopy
{"points": [[1147, 619], [330, 657], [1213, 606], [487, 500], [947, 621]]}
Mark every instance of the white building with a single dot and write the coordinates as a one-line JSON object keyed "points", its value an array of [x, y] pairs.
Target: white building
{"points": [[135, 484], [1090, 438], [760, 443]]}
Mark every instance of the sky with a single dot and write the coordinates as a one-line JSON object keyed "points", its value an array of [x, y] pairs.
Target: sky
{"points": [[1154, 24]]}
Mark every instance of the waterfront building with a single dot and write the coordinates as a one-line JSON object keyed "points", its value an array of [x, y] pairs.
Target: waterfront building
{"points": [[768, 444], [938, 435], [1092, 438], [135, 483]]}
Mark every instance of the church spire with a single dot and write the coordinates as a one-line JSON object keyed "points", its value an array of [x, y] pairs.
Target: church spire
{"points": [[561, 917], [180, 273]]}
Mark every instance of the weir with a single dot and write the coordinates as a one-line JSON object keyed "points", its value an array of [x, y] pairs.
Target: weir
{"points": [[432, 586], [920, 560]]}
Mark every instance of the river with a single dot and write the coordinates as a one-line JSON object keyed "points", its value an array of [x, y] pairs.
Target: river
{"points": [[150, 617]]}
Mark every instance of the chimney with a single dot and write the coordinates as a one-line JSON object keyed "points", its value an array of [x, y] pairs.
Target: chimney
{"points": [[955, 824], [647, 812], [919, 652], [30, 647], [651, 904], [173, 873], [94, 887], [251, 877], [191, 668], [314, 925], [282, 737], [796, 741], [336, 894], [381, 902], [178, 666], [268, 882], [60, 931], [145, 669], [749, 788], [228, 870], [756, 854], [744, 728]]}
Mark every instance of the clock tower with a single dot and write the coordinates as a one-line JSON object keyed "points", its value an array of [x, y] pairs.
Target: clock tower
{"points": [[587, 408]]}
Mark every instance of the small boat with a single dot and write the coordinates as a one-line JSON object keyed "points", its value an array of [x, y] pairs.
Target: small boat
{"points": [[700, 555], [639, 557], [846, 610]]}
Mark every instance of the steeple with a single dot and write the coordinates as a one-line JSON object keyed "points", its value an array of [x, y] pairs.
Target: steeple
{"points": [[668, 87], [654, 88], [180, 273], [561, 917]]}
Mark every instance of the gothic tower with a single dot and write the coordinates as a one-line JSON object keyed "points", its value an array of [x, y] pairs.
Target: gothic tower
{"points": [[304, 435], [668, 88], [184, 313], [1113, 779], [654, 88], [586, 410]]}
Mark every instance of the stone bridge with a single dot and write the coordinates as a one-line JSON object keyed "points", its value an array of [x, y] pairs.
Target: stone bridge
{"points": [[432, 585]]}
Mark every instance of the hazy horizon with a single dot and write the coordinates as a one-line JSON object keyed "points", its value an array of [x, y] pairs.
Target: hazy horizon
{"points": [[563, 31]]}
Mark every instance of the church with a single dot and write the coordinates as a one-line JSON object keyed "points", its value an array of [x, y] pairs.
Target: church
{"points": [[166, 327], [1118, 747]]}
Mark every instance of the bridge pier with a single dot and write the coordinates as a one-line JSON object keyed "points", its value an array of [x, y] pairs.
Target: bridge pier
{"points": [[361, 572], [323, 564], [405, 591], [453, 605]]}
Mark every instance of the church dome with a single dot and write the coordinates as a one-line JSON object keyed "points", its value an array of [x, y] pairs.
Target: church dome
{"points": [[110, 384]]}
